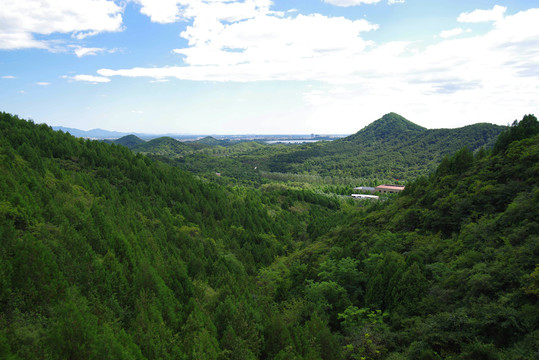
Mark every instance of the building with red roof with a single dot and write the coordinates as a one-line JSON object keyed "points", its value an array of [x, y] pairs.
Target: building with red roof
{"points": [[384, 189]]}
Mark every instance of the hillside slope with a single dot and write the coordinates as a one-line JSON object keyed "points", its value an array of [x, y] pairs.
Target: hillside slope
{"points": [[448, 270], [164, 146], [389, 148], [211, 141], [389, 126], [105, 254], [129, 141]]}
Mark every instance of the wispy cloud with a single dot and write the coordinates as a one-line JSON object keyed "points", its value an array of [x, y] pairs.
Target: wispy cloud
{"points": [[23, 19], [476, 16], [453, 32], [89, 78], [8, 77], [487, 78], [456, 75], [169, 11], [42, 83], [331, 49], [84, 51], [346, 3], [259, 44]]}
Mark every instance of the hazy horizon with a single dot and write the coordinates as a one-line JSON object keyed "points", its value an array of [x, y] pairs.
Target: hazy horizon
{"points": [[267, 67], [128, 132]]}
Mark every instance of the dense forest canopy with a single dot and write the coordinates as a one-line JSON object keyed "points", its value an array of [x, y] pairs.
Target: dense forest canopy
{"points": [[390, 149], [110, 254]]}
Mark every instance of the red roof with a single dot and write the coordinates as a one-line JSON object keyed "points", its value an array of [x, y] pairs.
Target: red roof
{"points": [[390, 187]]}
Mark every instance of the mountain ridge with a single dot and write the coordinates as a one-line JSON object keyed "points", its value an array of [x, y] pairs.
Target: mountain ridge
{"points": [[390, 147], [391, 119], [129, 141], [164, 146], [391, 124]]}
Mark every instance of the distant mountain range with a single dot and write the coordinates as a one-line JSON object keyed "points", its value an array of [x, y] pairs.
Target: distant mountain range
{"points": [[223, 140], [92, 134], [391, 147], [101, 134]]}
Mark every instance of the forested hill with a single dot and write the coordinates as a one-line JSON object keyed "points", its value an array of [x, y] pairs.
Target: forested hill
{"points": [[449, 270], [389, 148], [389, 126], [129, 141], [209, 140], [107, 254], [164, 146]]}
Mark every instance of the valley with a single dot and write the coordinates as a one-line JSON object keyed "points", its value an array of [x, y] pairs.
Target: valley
{"points": [[138, 250], [389, 149]]}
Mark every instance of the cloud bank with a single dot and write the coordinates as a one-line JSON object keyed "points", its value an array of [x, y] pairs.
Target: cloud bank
{"points": [[258, 44], [346, 3], [478, 16], [20, 20], [462, 74]]}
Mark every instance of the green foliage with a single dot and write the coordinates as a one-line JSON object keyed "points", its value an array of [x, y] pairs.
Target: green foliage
{"points": [[353, 318], [129, 141], [452, 260], [526, 128], [164, 146], [388, 149], [110, 254]]}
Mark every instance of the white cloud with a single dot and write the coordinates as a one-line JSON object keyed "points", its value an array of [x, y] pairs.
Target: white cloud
{"points": [[460, 77], [83, 51], [346, 3], [270, 39], [486, 78], [8, 77], [90, 78], [476, 16], [453, 32], [42, 83], [160, 11], [169, 11], [258, 44], [12, 40], [391, 2], [317, 47], [20, 20]]}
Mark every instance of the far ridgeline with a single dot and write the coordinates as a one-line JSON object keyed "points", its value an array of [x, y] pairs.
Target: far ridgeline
{"points": [[389, 148]]}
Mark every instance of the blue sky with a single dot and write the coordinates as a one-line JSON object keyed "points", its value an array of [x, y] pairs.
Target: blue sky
{"points": [[267, 67]]}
